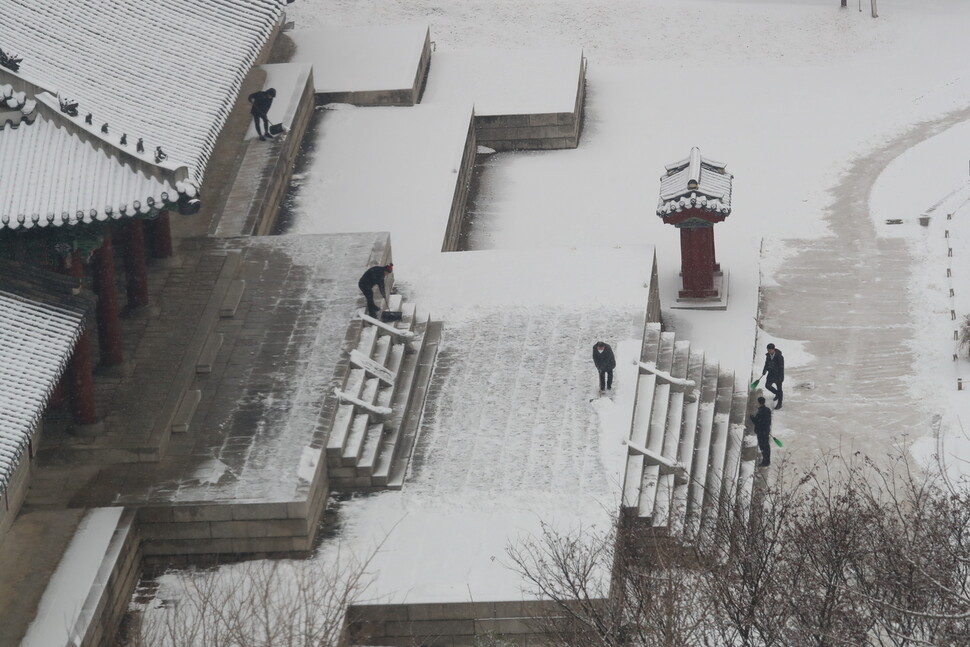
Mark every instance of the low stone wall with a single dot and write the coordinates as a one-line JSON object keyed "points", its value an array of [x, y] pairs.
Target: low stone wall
{"points": [[547, 131], [399, 97], [459, 204], [111, 592], [287, 527], [451, 624]]}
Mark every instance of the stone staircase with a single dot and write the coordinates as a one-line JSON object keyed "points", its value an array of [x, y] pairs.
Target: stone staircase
{"points": [[379, 404], [686, 458]]}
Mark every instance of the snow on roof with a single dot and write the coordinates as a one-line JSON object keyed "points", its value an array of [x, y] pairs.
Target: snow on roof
{"points": [[357, 59], [166, 71], [51, 176], [40, 321], [507, 82], [695, 182]]}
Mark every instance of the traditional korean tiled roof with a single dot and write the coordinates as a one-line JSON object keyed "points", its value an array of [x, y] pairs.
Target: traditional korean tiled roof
{"points": [[40, 321], [165, 71], [52, 176], [695, 182]]}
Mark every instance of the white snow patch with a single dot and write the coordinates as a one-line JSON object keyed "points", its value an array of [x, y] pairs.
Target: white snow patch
{"points": [[210, 471], [308, 464], [361, 58]]}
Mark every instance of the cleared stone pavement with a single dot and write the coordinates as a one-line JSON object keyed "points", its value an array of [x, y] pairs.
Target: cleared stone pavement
{"points": [[846, 298]]}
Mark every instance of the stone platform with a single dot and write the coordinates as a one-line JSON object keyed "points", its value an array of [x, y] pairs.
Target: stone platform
{"points": [[365, 66], [382, 163], [523, 100]]}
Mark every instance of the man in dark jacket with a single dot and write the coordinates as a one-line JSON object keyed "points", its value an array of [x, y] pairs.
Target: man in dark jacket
{"points": [[262, 101], [762, 427], [775, 370], [605, 362], [375, 276]]}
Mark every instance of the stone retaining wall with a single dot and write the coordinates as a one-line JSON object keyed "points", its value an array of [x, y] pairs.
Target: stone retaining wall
{"points": [[451, 624], [547, 131], [459, 204], [111, 592], [399, 97]]}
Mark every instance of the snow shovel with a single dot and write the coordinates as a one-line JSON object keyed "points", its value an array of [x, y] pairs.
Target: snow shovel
{"points": [[777, 442], [754, 385], [388, 316]]}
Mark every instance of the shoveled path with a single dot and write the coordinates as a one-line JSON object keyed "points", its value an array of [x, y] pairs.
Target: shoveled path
{"points": [[846, 297]]}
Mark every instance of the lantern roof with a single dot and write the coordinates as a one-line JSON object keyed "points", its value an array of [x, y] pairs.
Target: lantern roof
{"points": [[695, 182]]}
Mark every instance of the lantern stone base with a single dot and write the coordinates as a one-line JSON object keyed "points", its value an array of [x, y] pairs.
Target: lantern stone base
{"points": [[716, 301]]}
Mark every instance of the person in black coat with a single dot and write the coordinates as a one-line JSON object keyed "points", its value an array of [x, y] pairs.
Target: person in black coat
{"points": [[374, 277], [262, 101], [775, 370], [605, 362], [762, 427]]}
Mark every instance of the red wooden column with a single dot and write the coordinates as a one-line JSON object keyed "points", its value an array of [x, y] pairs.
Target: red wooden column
{"points": [[136, 271], [697, 262], [109, 324], [161, 235], [80, 370]]}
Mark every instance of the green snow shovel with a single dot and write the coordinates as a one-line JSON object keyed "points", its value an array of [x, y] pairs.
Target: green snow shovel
{"points": [[777, 442], [754, 385]]}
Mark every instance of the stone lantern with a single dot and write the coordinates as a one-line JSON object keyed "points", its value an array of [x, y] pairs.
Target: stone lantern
{"points": [[695, 193]]}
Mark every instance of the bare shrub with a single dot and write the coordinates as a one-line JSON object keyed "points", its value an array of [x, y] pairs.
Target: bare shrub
{"points": [[848, 554], [266, 603]]}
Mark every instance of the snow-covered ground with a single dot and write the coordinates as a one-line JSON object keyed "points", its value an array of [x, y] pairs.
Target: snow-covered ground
{"points": [[790, 94]]}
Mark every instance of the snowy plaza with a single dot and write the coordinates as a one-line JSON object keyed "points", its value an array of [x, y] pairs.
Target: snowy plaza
{"points": [[848, 140]]}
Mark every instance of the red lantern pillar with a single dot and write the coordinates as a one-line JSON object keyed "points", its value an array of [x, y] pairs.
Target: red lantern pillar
{"points": [[697, 262]]}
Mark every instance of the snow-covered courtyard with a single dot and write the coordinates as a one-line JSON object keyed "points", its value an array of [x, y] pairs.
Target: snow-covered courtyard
{"points": [[832, 122]]}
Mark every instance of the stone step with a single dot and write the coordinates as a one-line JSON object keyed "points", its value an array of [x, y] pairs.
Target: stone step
{"points": [[394, 360], [651, 342], [370, 391], [718, 451], [702, 444], [355, 382], [338, 434], [375, 447], [732, 456], [658, 426], [685, 451], [407, 315], [646, 385], [368, 337], [354, 445], [381, 350], [672, 437], [390, 447], [414, 409], [385, 458], [372, 445]]}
